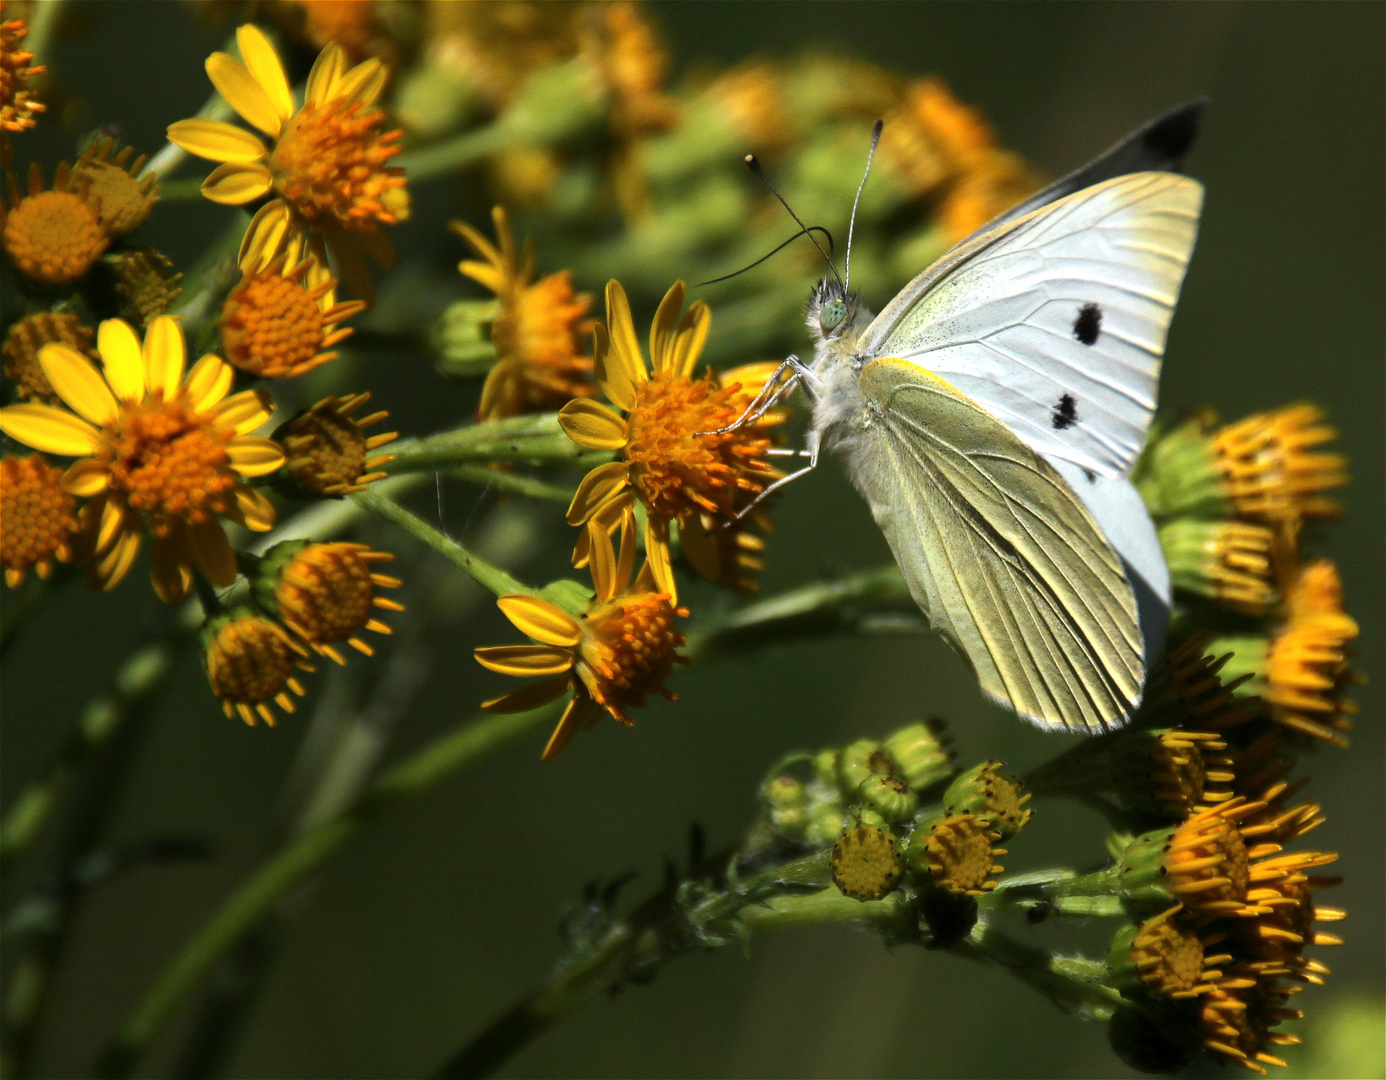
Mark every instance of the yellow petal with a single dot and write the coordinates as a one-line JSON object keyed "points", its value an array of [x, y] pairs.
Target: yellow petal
{"points": [[623, 360], [216, 141], [212, 552], [596, 488], [116, 519], [235, 184], [86, 478], [690, 338], [608, 516], [170, 567], [593, 425], [116, 563], [208, 382], [602, 561], [54, 431], [326, 73], [657, 554], [78, 383], [525, 660], [613, 383], [263, 64], [264, 236], [625, 561], [582, 712], [540, 620], [163, 356], [362, 83], [119, 347], [254, 457], [528, 697], [243, 93], [253, 510], [751, 377], [244, 412], [662, 329]]}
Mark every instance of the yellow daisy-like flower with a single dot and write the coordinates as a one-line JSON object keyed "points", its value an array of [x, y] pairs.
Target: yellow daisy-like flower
{"points": [[17, 101], [326, 593], [1237, 1018], [327, 162], [146, 283], [250, 662], [1273, 469], [670, 451], [957, 854], [328, 449], [53, 237], [126, 199], [37, 518], [156, 447], [537, 333], [612, 659]]}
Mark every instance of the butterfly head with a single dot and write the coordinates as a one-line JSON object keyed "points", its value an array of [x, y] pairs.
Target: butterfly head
{"points": [[833, 311]]}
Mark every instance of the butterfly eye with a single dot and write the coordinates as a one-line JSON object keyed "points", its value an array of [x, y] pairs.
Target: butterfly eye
{"points": [[831, 315]]}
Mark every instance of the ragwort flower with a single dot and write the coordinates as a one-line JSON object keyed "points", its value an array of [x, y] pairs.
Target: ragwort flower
{"points": [[25, 340], [327, 164], [329, 452], [53, 237], [17, 101], [154, 447], [126, 199], [672, 453], [537, 333], [612, 659], [250, 662], [37, 519], [326, 593]]}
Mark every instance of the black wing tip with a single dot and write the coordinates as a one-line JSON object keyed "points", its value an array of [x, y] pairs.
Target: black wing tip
{"points": [[1171, 136]]}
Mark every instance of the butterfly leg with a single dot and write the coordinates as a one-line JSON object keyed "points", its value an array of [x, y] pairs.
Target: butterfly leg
{"points": [[771, 394]]}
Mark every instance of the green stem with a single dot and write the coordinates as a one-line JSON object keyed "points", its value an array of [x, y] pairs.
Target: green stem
{"points": [[1074, 983], [185, 190], [297, 862], [455, 153], [504, 480], [532, 440], [486, 575]]}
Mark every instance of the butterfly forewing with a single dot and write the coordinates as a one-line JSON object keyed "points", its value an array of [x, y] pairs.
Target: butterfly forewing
{"points": [[998, 551], [1055, 323]]}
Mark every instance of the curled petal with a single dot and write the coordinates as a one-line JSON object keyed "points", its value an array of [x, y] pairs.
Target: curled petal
{"points": [[235, 184], [263, 64], [602, 561], [265, 236], [254, 457], [208, 382], [582, 712], [690, 338], [529, 697], [216, 141], [613, 384], [54, 431], [243, 93], [164, 356], [253, 510], [540, 620], [591, 424], [609, 515], [662, 329], [119, 347], [623, 361], [525, 660], [244, 412], [117, 519], [86, 478], [326, 74], [170, 566], [112, 567], [597, 488], [657, 554], [362, 83], [78, 383]]}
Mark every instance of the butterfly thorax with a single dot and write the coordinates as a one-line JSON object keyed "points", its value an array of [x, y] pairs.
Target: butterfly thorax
{"points": [[837, 322]]}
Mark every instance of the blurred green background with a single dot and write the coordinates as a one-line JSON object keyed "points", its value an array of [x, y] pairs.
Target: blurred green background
{"points": [[444, 911]]}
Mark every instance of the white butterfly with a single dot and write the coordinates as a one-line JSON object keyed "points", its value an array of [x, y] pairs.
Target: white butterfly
{"points": [[990, 415]]}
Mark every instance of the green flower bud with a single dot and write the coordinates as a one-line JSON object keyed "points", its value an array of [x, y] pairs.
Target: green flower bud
{"points": [[1141, 870], [890, 796], [866, 863], [984, 791], [787, 800], [461, 338], [825, 766], [1178, 475], [824, 824], [923, 753], [1226, 561]]}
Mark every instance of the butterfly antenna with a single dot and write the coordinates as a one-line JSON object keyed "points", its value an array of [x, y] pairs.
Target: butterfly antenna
{"points": [[751, 266], [847, 262], [754, 166]]}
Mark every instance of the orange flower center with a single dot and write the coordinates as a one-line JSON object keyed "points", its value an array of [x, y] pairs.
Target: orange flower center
{"points": [[330, 165], [271, 326], [630, 646], [1168, 956], [36, 515], [1207, 863], [327, 451], [250, 662], [678, 464], [53, 237], [959, 854], [171, 462], [326, 593], [539, 325]]}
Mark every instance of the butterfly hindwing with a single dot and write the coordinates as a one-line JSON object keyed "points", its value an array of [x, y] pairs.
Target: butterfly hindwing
{"points": [[998, 551], [1055, 322]]}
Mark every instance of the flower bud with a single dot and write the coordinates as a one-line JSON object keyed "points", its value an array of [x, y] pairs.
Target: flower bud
{"points": [[461, 338], [923, 753], [988, 793], [890, 796], [1162, 956]]}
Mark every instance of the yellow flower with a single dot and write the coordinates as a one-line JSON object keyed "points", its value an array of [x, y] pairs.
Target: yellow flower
{"points": [[250, 662], [328, 448], [956, 853], [29, 335], [670, 453], [1171, 956], [146, 283], [1271, 467], [126, 200], [154, 446], [1237, 1016], [17, 101], [327, 164], [281, 321], [53, 237], [325, 593], [537, 333], [36, 517], [612, 659]]}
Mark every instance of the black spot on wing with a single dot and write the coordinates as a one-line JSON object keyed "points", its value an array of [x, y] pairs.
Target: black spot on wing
{"points": [[1065, 412], [1088, 325]]}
